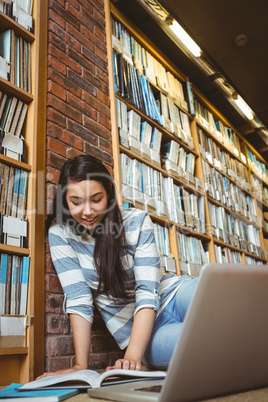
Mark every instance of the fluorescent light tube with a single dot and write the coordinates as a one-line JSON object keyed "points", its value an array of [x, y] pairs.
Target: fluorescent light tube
{"points": [[185, 38], [244, 107]]}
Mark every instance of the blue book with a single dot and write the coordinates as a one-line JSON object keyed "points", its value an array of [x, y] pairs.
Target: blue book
{"points": [[18, 62], [3, 281], [115, 72], [50, 395], [146, 96]]}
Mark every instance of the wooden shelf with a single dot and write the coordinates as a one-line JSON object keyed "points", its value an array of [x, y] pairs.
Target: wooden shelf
{"points": [[23, 364], [219, 143], [166, 135], [177, 180], [7, 23], [232, 212], [4, 248], [13, 351], [195, 123], [13, 162], [227, 176], [12, 90]]}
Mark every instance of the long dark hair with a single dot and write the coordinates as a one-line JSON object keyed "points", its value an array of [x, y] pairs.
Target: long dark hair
{"points": [[109, 235]]}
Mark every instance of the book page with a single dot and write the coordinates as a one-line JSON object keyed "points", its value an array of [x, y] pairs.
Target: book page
{"points": [[89, 377], [124, 374]]}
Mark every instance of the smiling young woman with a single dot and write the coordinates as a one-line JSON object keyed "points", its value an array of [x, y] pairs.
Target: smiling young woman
{"points": [[106, 256], [87, 201]]}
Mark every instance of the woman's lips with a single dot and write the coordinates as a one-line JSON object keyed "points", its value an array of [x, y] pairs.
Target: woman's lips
{"points": [[90, 221]]}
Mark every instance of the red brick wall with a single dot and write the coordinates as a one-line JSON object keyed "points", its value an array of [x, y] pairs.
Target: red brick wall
{"points": [[78, 121]]}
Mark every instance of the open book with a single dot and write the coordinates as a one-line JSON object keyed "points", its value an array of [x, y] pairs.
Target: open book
{"points": [[90, 378]]}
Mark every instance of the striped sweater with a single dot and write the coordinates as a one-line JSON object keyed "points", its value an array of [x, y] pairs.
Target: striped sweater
{"points": [[72, 256]]}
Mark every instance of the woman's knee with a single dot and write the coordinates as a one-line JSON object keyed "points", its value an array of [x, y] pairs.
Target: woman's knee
{"points": [[161, 346]]}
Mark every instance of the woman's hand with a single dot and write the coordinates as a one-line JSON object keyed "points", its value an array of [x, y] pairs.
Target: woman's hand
{"points": [[125, 364], [139, 338], [59, 372]]}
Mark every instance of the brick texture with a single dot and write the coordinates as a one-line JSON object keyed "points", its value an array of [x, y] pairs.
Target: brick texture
{"points": [[78, 121]]}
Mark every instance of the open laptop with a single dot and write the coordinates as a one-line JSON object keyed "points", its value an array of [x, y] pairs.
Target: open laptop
{"points": [[223, 348]]}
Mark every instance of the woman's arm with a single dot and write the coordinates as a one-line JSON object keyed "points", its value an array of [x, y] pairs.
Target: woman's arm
{"points": [[140, 335], [81, 334], [82, 337], [147, 276]]}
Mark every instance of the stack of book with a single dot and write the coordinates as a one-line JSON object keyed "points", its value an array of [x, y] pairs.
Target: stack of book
{"points": [[12, 117], [233, 231], [174, 120], [226, 255], [167, 261], [251, 260], [225, 135], [14, 278], [178, 162], [134, 87], [147, 188], [139, 136], [223, 190], [13, 200], [265, 240], [260, 189], [264, 216], [222, 160], [17, 51], [257, 167], [147, 65], [192, 255]]}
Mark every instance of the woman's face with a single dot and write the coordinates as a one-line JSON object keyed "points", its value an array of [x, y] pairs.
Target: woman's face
{"points": [[87, 201]]}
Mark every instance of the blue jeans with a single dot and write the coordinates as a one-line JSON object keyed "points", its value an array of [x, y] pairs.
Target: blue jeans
{"points": [[167, 327]]}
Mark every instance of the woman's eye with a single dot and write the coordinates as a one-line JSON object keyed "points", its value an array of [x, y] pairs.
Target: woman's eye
{"points": [[77, 203], [98, 200]]}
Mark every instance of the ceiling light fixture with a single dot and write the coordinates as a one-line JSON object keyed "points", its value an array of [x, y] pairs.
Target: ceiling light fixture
{"points": [[174, 30], [244, 107], [185, 38]]}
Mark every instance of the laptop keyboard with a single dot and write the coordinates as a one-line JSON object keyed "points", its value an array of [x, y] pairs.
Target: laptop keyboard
{"points": [[153, 388]]}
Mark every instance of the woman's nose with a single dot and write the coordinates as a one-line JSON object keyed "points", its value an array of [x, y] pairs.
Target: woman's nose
{"points": [[88, 210]]}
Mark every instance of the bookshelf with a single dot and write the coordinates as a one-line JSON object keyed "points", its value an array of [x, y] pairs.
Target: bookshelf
{"points": [[23, 363], [223, 159]]}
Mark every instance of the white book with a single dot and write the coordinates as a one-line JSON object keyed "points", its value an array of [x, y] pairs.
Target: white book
{"points": [[161, 238], [123, 109], [124, 163], [170, 199], [156, 185], [182, 159], [136, 174], [21, 16], [145, 178], [185, 124], [146, 133], [156, 139], [201, 213], [170, 151], [134, 121], [118, 112]]}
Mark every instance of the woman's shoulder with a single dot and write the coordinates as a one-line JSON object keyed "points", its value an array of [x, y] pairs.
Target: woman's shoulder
{"points": [[57, 229], [133, 214], [135, 220]]}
